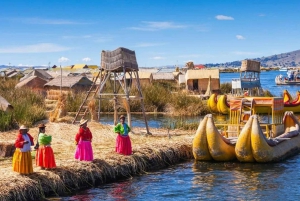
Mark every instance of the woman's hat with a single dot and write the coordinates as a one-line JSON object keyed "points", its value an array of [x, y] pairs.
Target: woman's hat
{"points": [[82, 121], [41, 126], [122, 116], [23, 127]]}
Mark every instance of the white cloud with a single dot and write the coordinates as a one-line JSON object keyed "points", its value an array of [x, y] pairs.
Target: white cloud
{"points": [[36, 48], [240, 37], [224, 17], [86, 59], [155, 26], [63, 59], [261, 15], [75, 37], [158, 58], [148, 44]]}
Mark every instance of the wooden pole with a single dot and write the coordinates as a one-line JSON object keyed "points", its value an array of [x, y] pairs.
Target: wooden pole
{"points": [[142, 100], [115, 102], [127, 98]]}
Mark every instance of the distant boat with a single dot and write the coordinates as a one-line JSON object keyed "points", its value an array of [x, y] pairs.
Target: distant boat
{"points": [[283, 69]]}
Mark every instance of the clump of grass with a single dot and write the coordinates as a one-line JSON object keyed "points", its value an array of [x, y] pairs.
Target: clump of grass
{"points": [[29, 106], [225, 88]]}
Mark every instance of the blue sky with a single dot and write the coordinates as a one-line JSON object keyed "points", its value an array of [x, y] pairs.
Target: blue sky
{"points": [[161, 32]]}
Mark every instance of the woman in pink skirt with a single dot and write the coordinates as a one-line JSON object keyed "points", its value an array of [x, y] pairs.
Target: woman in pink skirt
{"points": [[123, 143], [83, 139]]}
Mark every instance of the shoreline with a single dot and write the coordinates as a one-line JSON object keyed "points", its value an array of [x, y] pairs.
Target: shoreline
{"points": [[65, 180], [150, 153]]}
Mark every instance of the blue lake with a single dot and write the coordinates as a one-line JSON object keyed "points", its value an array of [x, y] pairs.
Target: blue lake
{"points": [[207, 180]]}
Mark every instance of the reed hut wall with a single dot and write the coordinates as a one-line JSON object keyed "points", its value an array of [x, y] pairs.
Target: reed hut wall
{"points": [[33, 82], [197, 80], [250, 65], [118, 59], [144, 77]]}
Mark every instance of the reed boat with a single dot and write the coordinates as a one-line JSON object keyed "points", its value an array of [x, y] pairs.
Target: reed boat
{"points": [[289, 103], [209, 144], [212, 103], [222, 105], [253, 146]]}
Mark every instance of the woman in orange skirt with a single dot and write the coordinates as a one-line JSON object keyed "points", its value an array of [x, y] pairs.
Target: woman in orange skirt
{"points": [[22, 161], [123, 143], [44, 154]]}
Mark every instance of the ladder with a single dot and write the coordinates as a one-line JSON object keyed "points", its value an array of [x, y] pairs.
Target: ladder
{"points": [[91, 93]]}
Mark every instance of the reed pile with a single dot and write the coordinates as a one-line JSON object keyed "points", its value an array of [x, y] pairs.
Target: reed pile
{"points": [[150, 152]]}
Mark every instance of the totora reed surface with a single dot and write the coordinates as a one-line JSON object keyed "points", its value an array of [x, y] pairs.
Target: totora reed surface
{"points": [[150, 152]]}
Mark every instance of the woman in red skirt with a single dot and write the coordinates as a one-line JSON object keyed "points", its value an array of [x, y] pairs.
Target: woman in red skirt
{"points": [[44, 154], [123, 143]]}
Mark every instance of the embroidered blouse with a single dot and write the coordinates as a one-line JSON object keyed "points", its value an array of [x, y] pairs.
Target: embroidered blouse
{"points": [[19, 143], [84, 135], [123, 129], [44, 139]]}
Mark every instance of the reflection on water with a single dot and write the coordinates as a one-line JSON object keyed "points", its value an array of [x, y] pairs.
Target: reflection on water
{"points": [[207, 181]]}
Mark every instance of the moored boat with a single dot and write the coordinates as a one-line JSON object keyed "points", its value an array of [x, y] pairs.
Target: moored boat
{"points": [[212, 103], [209, 144], [222, 105], [289, 104], [253, 146]]}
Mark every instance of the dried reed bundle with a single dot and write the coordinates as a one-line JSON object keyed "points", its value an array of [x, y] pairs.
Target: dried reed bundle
{"points": [[92, 109], [149, 153]]}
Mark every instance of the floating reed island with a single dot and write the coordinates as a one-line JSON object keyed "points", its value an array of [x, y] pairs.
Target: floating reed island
{"points": [[150, 152]]}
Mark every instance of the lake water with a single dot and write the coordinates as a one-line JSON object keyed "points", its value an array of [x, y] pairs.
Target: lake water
{"points": [[207, 180]]}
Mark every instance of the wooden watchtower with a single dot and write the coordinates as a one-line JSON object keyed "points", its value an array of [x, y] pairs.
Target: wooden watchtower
{"points": [[249, 79], [117, 67]]}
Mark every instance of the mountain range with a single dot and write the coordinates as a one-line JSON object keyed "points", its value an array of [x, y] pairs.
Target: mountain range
{"points": [[288, 59]]}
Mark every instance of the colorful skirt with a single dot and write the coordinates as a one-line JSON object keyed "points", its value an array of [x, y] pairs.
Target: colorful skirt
{"points": [[123, 145], [22, 162], [84, 151], [45, 157]]}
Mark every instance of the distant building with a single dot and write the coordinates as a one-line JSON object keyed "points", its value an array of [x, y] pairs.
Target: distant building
{"points": [[198, 80]]}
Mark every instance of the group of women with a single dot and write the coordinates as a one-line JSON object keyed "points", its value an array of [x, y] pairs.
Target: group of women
{"points": [[22, 160]]}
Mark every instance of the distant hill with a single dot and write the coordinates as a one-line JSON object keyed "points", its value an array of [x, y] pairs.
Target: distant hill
{"points": [[289, 59]]}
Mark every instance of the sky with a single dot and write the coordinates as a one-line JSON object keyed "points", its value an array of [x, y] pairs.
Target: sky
{"points": [[161, 32]]}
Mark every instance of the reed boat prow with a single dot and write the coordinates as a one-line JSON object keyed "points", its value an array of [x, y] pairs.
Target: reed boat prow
{"points": [[200, 146], [282, 146], [220, 148], [243, 145]]}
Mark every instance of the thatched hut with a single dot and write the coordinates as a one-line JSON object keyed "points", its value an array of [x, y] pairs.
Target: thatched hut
{"points": [[167, 77], [5, 105], [198, 80], [38, 73], [144, 77], [34, 82], [68, 83]]}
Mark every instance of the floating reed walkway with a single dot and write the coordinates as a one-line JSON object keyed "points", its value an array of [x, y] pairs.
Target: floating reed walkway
{"points": [[149, 153]]}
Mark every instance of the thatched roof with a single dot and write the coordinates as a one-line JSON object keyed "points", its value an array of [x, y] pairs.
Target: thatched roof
{"points": [[39, 73], [32, 81], [118, 59], [5, 105], [250, 65], [142, 75], [56, 73], [79, 66], [69, 81], [151, 70], [163, 76], [201, 74]]}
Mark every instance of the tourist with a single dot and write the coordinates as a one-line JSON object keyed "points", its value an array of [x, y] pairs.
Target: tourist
{"points": [[123, 143], [83, 139], [44, 154], [22, 161]]}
